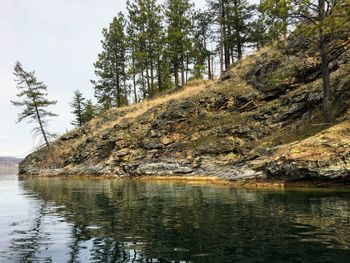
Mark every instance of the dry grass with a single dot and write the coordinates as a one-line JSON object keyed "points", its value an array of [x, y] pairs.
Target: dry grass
{"points": [[326, 145], [54, 157], [133, 111], [192, 89], [98, 125]]}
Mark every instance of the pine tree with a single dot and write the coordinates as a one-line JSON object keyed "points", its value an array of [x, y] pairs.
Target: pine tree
{"points": [[132, 44], [179, 27], [145, 33], [111, 88], [201, 39], [233, 20], [238, 26], [278, 14], [163, 65], [219, 11], [325, 24], [89, 111], [78, 105], [34, 101], [164, 70], [258, 32]]}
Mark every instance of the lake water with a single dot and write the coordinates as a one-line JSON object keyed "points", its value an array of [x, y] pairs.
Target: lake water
{"points": [[87, 220]]}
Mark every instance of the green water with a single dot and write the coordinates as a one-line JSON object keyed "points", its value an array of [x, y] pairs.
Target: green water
{"points": [[70, 220]]}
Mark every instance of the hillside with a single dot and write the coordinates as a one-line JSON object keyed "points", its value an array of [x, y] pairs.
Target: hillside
{"points": [[9, 165], [261, 122], [9, 160]]}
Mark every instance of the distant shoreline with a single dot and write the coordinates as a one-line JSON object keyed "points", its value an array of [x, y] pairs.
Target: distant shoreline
{"points": [[9, 165]]}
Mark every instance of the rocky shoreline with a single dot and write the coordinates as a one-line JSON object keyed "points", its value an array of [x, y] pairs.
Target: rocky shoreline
{"points": [[261, 124], [207, 180]]}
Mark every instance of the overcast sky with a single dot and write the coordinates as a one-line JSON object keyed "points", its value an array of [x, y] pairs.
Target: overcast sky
{"points": [[60, 40]]}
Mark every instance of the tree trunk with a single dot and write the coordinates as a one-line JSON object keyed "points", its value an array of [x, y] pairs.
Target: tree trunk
{"points": [[209, 67], [80, 115], [149, 88], [187, 68], [239, 46], [118, 91], [326, 83], [221, 39], [227, 57], [176, 73], [143, 84], [227, 47], [208, 58], [42, 127], [160, 88], [285, 23], [182, 72], [125, 101], [134, 86], [327, 112], [134, 75], [212, 69], [232, 55], [152, 78]]}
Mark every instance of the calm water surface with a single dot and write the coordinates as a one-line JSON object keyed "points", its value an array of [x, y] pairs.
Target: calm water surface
{"points": [[70, 220]]}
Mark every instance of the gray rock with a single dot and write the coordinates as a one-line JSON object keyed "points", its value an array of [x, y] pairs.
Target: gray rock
{"points": [[162, 168], [227, 75]]}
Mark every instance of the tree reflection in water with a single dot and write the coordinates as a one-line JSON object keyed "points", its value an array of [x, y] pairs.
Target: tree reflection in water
{"points": [[25, 247], [135, 221], [76, 239]]}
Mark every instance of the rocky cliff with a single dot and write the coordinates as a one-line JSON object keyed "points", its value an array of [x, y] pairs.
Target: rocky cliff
{"points": [[261, 122]]}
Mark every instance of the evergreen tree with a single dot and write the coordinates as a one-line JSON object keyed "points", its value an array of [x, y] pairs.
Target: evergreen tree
{"points": [[145, 31], [233, 18], [136, 47], [132, 44], [325, 24], [217, 9], [201, 52], [258, 35], [89, 111], [34, 101], [164, 70], [179, 27], [238, 28], [164, 66], [111, 88], [78, 105], [278, 14]]}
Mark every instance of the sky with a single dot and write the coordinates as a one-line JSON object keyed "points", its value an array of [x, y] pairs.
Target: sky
{"points": [[60, 40]]}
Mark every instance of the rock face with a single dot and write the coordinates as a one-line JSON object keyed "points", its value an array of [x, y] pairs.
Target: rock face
{"points": [[324, 156], [261, 122]]}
